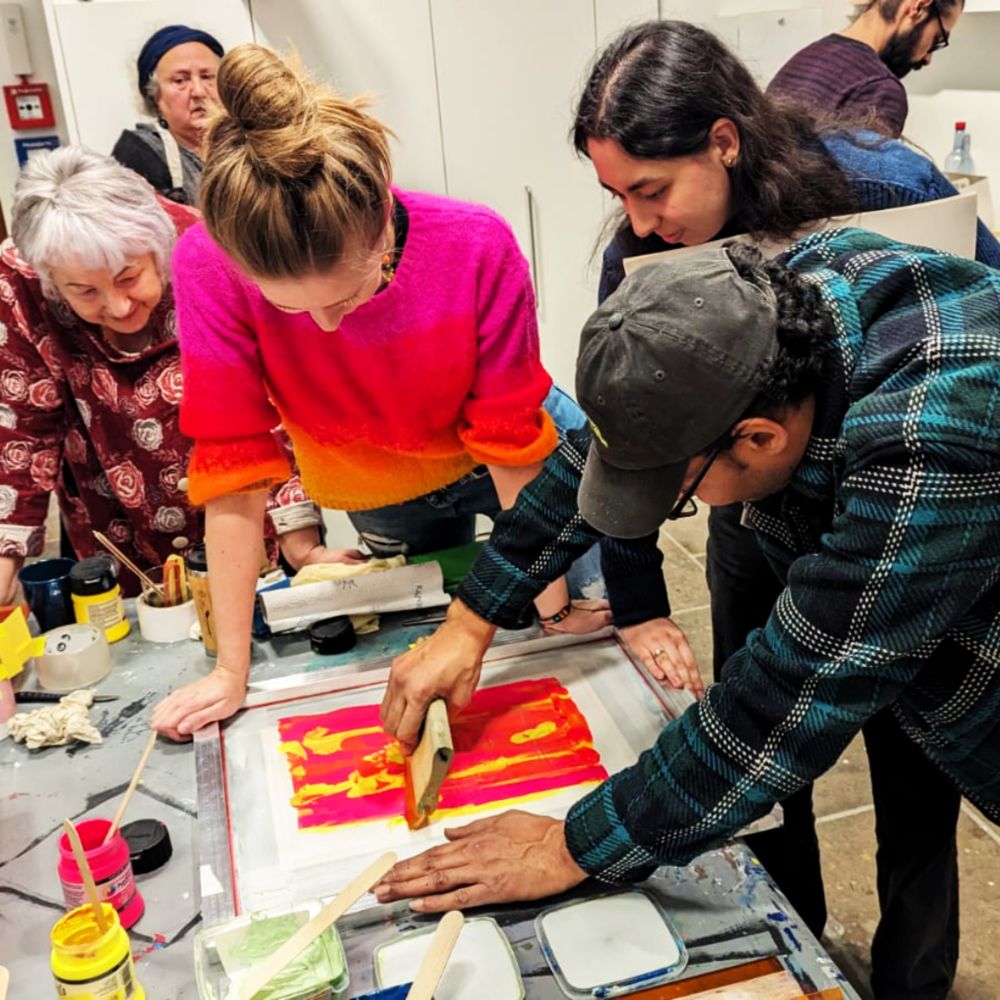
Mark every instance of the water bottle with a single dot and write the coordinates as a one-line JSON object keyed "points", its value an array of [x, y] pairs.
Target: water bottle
{"points": [[959, 160], [966, 165]]}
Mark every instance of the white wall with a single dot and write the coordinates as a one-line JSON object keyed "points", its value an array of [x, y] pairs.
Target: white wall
{"points": [[41, 60], [962, 84]]}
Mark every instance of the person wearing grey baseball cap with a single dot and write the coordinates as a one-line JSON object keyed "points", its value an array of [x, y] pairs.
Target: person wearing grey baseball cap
{"points": [[699, 327], [848, 394]]}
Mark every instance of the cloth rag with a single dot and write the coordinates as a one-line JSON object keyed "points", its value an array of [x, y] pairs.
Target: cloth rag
{"points": [[57, 725]]}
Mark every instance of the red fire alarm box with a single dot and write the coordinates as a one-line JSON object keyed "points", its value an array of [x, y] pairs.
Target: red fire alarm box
{"points": [[29, 106]]}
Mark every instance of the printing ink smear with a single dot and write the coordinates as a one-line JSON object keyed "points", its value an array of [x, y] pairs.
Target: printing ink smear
{"points": [[513, 742]]}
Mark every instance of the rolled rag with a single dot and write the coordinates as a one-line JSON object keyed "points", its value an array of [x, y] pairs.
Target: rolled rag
{"points": [[57, 725]]}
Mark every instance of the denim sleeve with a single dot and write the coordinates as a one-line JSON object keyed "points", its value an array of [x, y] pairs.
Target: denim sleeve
{"points": [[987, 247]]}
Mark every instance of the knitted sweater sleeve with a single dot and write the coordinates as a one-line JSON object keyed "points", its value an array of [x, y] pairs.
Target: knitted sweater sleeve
{"points": [[503, 422], [225, 409]]}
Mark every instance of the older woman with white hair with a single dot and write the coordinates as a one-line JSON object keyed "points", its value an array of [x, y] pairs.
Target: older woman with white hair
{"points": [[90, 378]]}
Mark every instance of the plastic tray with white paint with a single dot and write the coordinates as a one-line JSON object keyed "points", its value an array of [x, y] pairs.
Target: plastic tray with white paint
{"points": [[610, 945], [482, 964]]}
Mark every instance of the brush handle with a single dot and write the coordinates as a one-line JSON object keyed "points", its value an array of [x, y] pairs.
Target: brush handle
{"points": [[436, 960], [4, 982], [88, 876], [122, 558], [428, 766], [262, 973], [51, 697], [126, 798]]}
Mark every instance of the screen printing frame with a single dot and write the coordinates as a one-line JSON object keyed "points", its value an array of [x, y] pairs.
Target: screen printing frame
{"points": [[218, 864]]}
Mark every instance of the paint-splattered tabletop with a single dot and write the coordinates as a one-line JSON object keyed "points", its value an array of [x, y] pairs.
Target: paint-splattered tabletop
{"points": [[723, 904]]}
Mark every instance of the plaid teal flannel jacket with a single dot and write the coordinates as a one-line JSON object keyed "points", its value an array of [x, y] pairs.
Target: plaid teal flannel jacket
{"points": [[888, 538]]}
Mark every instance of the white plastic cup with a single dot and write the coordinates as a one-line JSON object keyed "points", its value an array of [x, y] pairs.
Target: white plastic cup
{"points": [[165, 624]]}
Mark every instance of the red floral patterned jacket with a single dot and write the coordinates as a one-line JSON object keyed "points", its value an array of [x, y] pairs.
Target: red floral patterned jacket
{"points": [[99, 428]]}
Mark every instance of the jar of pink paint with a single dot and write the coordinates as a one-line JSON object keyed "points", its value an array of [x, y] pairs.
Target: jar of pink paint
{"points": [[111, 867]]}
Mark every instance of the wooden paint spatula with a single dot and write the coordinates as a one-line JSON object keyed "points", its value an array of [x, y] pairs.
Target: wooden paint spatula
{"points": [[432, 967], [436, 960], [263, 972], [89, 886], [427, 767]]}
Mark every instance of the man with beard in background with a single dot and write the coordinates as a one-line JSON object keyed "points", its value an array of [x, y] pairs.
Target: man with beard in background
{"points": [[857, 72]]}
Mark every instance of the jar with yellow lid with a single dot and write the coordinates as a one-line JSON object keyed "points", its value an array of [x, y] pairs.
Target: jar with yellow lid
{"points": [[91, 964]]}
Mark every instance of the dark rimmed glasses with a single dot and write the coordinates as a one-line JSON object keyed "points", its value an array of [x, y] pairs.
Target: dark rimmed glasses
{"points": [[941, 42], [685, 506]]}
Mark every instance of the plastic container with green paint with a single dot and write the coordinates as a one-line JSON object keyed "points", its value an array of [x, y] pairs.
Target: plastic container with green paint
{"points": [[224, 954]]}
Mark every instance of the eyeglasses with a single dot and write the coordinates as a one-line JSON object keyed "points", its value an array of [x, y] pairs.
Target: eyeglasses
{"points": [[685, 506], [941, 42]]}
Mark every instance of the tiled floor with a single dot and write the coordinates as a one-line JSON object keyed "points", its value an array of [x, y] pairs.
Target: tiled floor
{"points": [[846, 822]]}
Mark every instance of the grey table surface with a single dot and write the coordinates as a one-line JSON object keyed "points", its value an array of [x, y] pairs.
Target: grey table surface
{"points": [[38, 789]]}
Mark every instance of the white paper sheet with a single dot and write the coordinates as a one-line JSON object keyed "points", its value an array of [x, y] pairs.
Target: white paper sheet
{"points": [[301, 848], [948, 225], [400, 589]]}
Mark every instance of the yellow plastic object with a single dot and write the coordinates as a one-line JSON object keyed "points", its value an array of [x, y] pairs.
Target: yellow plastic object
{"points": [[16, 644], [89, 964]]}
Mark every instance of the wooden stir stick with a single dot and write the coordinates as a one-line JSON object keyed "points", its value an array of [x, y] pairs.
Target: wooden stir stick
{"points": [[131, 787], [432, 968], [122, 558], [88, 877], [263, 972], [4, 982]]}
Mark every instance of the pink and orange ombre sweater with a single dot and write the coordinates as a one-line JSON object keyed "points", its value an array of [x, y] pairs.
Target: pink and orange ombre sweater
{"points": [[436, 374]]}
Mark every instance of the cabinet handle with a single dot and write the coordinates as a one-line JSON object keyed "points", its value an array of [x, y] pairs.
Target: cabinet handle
{"points": [[531, 238]]}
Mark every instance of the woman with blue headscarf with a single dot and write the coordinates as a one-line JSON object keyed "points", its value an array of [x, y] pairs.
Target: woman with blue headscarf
{"points": [[177, 68]]}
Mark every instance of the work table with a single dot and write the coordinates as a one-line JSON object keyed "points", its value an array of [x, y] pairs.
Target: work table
{"points": [[723, 904]]}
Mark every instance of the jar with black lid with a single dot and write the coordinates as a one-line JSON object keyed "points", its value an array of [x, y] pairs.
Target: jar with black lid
{"points": [[97, 597]]}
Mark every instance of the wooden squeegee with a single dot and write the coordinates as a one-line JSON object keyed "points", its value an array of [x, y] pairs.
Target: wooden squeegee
{"points": [[426, 768]]}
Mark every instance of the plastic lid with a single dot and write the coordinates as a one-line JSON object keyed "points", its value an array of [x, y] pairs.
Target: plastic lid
{"points": [[332, 635], [149, 844], [960, 126], [197, 559], [95, 575]]}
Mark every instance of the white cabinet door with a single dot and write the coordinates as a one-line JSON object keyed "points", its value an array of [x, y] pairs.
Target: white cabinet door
{"points": [[508, 77], [380, 47], [95, 46]]}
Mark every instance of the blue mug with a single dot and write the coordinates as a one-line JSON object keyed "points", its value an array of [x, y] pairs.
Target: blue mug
{"points": [[46, 589]]}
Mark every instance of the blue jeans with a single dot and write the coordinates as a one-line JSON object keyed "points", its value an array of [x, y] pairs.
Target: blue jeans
{"points": [[446, 517]]}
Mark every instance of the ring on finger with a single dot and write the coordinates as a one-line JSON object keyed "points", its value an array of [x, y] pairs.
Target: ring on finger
{"points": [[658, 652]]}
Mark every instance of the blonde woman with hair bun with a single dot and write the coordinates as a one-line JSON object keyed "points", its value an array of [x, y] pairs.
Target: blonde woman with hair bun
{"points": [[391, 333], [90, 373]]}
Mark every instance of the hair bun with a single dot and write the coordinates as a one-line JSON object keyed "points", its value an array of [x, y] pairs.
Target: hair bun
{"points": [[271, 103]]}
